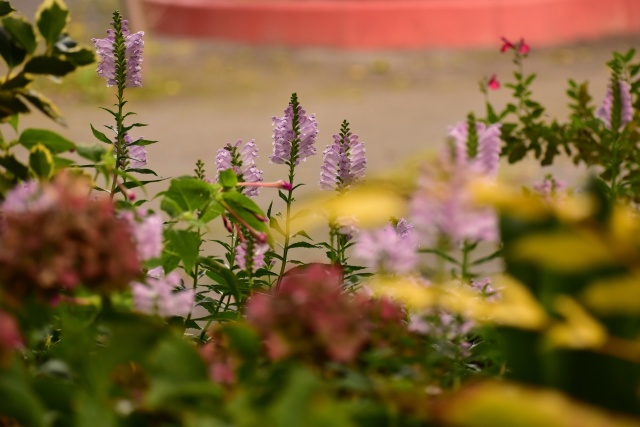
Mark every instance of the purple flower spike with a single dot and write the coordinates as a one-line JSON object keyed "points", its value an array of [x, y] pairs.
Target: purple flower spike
{"points": [[626, 107], [147, 233], [387, 251], [242, 161], [284, 135], [487, 157], [250, 255], [344, 161], [133, 44]]}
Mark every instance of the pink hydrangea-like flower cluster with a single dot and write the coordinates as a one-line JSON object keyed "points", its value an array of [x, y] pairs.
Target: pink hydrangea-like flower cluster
{"points": [[54, 238], [159, 295], [284, 137], [310, 317]]}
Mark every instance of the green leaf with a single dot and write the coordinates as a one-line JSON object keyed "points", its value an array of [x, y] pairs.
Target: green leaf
{"points": [[19, 81], [306, 245], [18, 400], [10, 105], [49, 65], [186, 194], [91, 152], [187, 245], [49, 139], [51, 19], [273, 223], [100, 136], [43, 104], [81, 57], [142, 171], [41, 161], [10, 51], [228, 179], [10, 163], [225, 274], [21, 31], [5, 8], [212, 211]]}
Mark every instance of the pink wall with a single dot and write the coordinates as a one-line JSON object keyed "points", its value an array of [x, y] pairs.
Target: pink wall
{"points": [[393, 24]]}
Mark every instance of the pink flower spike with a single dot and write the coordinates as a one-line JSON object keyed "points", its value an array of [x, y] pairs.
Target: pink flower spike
{"points": [[506, 45], [493, 83], [523, 48]]}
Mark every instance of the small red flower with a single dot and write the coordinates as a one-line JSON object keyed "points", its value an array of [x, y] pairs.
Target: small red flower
{"points": [[523, 48], [493, 83], [506, 45]]}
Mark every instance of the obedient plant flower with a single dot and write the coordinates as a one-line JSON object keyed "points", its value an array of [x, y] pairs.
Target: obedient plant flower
{"points": [[444, 206], [242, 160], [160, 295], [344, 161], [389, 250], [146, 230], [120, 54], [28, 196], [135, 156], [478, 150], [549, 187], [250, 255], [294, 135], [605, 112]]}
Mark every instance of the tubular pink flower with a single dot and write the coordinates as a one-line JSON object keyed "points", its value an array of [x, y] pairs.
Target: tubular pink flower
{"points": [[493, 83]]}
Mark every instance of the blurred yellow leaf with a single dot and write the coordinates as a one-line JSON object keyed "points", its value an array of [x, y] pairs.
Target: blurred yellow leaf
{"points": [[579, 330], [618, 295], [565, 251], [508, 199], [370, 206], [503, 404]]}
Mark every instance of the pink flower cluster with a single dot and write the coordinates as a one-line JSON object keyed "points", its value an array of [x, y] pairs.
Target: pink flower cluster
{"points": [[311, 318]]}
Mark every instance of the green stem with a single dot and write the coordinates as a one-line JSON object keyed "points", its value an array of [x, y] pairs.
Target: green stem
{"points": [[287, 227]]}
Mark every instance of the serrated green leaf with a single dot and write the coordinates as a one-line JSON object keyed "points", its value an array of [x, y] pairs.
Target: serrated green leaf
{"points": [[303, 234], [49, 65], [142, 171], [305, 245], [41, 161], [54, 142], [51, 18], [228, 179], [12, 53], [21, 31], [5, 8]]}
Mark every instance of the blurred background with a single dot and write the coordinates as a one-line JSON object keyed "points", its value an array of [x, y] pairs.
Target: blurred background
{"points": [[215, 72]]}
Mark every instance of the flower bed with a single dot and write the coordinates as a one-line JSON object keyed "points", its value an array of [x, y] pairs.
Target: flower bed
{"points": [[113, 313]]}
